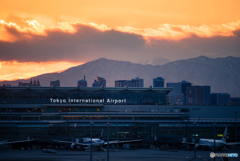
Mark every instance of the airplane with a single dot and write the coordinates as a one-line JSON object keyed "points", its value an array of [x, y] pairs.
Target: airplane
{"points": [[6, 142], [209, 143], [19, 141], [97, 143]]}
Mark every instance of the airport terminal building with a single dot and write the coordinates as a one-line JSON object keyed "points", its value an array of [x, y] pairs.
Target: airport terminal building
{"points": [[134, 113]]}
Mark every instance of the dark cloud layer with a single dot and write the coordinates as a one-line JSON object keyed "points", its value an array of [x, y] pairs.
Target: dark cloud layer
{"points": [[89, 43]]}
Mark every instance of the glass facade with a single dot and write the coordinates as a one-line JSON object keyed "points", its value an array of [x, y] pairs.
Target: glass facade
{"points": [[148, 132], [90, 116], [84, 95], [152, 128], [28, 112]]}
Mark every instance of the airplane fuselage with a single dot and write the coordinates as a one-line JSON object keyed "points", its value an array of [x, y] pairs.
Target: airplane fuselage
{"points": [[210, 143], [95, 142]]}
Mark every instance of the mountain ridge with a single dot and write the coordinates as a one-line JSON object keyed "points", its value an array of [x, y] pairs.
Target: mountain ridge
{"points": [[222, 74]]}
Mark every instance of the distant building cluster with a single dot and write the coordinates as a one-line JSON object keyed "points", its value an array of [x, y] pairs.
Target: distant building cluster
{"points": [[220, 98], [55, 83], [198, 95], [82, 82], [99, 82], [182, 93], [158, 82], [178, 93], [137, 82], [32, 83]]}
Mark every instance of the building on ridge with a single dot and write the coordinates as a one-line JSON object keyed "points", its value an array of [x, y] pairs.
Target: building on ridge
{"points": [[82, 82], [178, 93], [137, 82], [158, 82], [99, 82], [55, 83], [220, 98], [32, 83], [198, 95]]}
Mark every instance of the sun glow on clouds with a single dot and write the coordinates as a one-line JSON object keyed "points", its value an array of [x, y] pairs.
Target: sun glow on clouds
{"points": [[34, 23], [36, 28], [164, 31], [168, 31], [24, 70], [11, 31], [100, 27]]}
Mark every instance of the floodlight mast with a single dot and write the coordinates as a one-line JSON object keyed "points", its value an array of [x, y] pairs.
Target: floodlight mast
{"points": [[91, 143]]}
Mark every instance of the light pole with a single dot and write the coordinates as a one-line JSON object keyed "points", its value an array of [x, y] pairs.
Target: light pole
{"points": [[91, 143], [214, 124], [236, 125], [10, 128], [108, 124], [195, 140], [145, 135], [186, 128], [178, 130], [116, 125]]}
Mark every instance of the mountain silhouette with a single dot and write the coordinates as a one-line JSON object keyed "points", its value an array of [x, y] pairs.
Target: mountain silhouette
{"points": [[222, 74]]}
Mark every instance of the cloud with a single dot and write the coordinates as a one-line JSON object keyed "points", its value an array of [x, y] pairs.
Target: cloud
{"points": [[82, 42], [85, 44], [164, 31], [176, 32]]}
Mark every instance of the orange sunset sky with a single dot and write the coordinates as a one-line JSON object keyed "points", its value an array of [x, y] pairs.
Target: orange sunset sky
{"points": [[45, 36]]}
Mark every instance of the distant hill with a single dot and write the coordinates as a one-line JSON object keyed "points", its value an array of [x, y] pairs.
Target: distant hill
{"points": [[222, 74]]}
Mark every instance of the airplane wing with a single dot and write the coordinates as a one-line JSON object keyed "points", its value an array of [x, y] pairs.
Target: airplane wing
{"points": [[197, 144], [234, 143], [20, 141], [68, 142], [119, 142]]}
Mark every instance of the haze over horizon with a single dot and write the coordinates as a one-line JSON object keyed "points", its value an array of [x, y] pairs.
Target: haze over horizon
{"points": [[160, 61], [222, 74], [36, 38]]}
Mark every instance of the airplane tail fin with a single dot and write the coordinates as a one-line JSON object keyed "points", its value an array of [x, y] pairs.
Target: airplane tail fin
{"points": [[101, 134], [224, 137]]}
